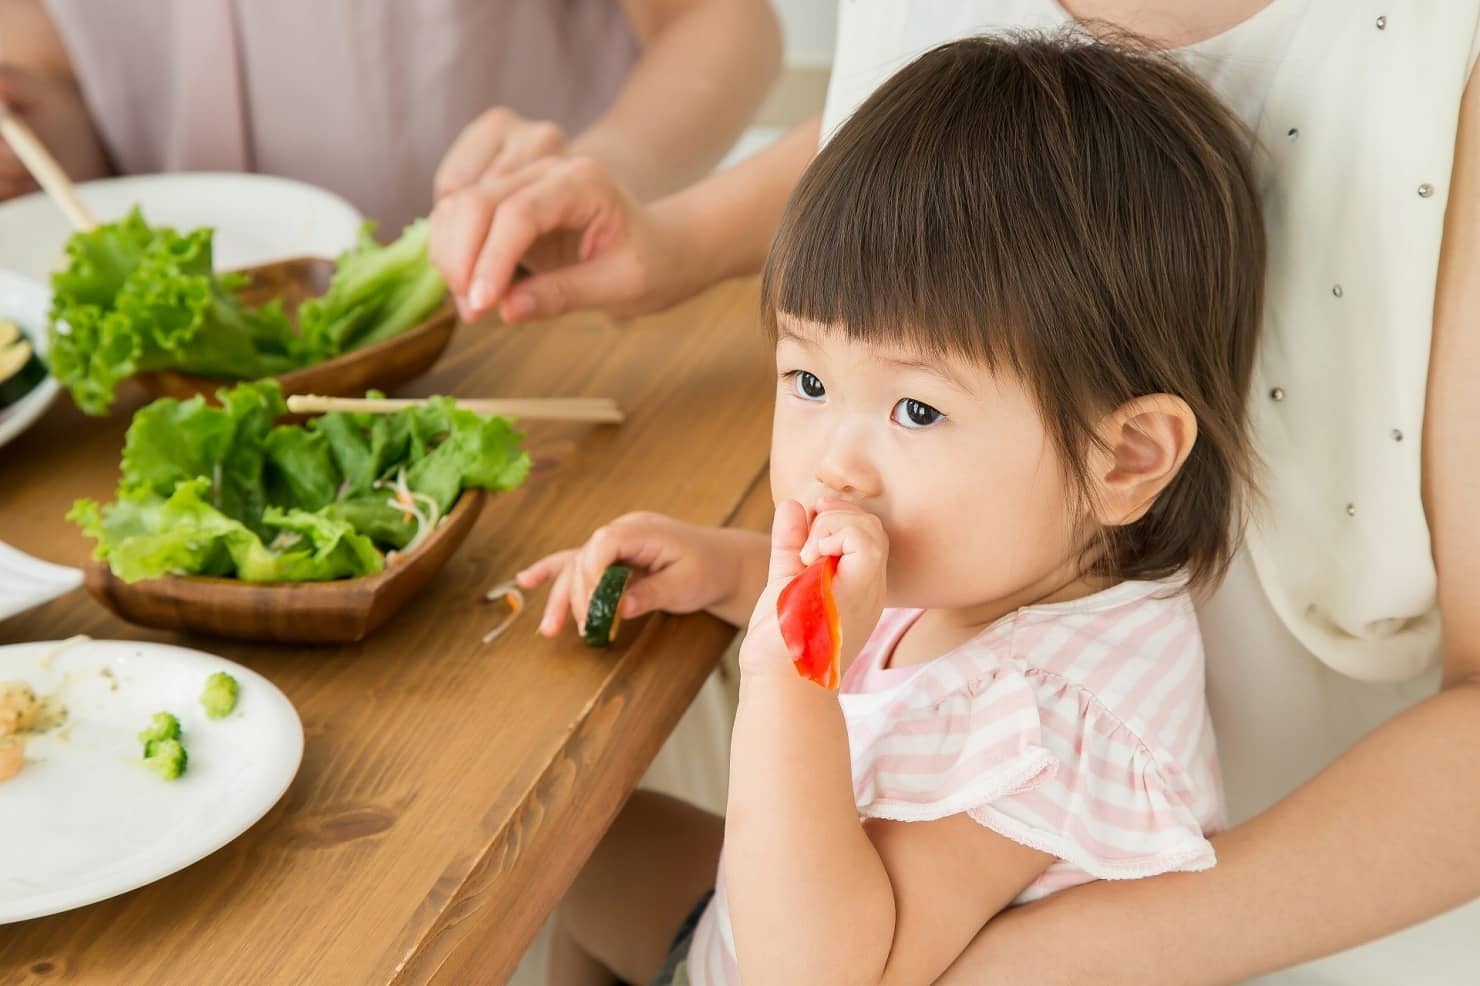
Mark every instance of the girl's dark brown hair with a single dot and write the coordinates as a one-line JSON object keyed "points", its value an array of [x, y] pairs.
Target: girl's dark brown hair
{"points": [[1082, 214]]}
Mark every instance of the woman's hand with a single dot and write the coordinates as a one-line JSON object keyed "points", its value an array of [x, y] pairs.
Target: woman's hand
{"points": [[499, 142], [54, 109], [857, 539], [681, 568], [586, 240]]}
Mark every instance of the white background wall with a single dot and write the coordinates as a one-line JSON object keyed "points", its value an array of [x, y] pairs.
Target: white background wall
{"points": [[811, 28]]}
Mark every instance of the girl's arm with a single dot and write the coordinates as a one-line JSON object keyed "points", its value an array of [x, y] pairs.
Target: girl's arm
{"points": [[815, 896], [1384, 837]]}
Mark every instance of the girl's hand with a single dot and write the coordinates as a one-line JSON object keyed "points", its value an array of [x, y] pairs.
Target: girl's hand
{"points": [[857, 539], [680, 568]]}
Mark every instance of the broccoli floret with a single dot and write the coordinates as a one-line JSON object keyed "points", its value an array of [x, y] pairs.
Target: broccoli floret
{"points": [[166, 757], [163, 726], [219, 698]]}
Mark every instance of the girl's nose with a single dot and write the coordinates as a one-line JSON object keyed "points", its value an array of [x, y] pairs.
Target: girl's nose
{"points": [[846, 471]]}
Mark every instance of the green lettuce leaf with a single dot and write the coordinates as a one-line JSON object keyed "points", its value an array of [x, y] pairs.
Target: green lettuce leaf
{"points": [[224, 491], [377, 292], [135, 298], [145, 537]]}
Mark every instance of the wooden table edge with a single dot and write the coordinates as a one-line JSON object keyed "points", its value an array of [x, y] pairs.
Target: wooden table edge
{"points": [[474, 937]]}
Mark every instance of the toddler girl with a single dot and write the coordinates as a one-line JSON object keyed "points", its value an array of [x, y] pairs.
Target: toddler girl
{"points": [[1015, 301]]}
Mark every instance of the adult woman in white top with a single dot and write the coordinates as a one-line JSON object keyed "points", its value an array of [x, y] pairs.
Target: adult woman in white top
{"points": [[1344, 650]]}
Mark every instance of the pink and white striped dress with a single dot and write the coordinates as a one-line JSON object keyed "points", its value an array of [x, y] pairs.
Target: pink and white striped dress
{"points": [[1079, 729]]}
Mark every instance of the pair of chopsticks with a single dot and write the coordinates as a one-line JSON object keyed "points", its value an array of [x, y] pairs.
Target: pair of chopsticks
{"points": [[594, 410], [44, 168]]}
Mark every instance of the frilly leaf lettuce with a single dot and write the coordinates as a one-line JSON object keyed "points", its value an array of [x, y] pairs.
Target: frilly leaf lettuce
{"points": [[225, 491], [135, 297]]}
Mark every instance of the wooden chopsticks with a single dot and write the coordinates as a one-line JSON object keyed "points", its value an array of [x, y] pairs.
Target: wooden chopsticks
{"points": [[596, 410], [44, 168]]}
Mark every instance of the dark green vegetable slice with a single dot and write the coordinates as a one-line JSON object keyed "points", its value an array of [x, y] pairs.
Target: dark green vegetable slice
{"points": [[20, 369], [602, 621]]}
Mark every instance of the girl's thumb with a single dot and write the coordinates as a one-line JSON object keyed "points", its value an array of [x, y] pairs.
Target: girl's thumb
{"points": [[788, 534]]}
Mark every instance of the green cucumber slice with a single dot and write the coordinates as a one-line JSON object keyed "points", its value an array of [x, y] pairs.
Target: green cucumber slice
{"points": [[20, 370], [602, 621]]}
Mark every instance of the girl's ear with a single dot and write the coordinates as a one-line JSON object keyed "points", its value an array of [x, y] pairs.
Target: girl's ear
{"points": [[1144, 443]]}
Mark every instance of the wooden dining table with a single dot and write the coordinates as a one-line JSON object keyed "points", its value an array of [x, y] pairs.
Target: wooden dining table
{"points": [[449, 790]]}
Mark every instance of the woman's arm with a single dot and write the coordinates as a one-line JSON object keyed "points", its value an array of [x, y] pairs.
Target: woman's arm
{"points": [[706, 66], [36, 83], [1384, 837]]}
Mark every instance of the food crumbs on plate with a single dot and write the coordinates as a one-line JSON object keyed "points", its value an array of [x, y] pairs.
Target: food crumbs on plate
{"points": [[12, 757], [23, 712], [61, 646], [508, 593]]}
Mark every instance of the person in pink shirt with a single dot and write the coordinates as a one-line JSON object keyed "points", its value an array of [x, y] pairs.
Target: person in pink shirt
{"points": [[386, 102], [1010, 403]]}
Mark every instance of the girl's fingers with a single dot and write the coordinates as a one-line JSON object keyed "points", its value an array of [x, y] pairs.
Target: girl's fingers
{"points": [[553, 620], [543, 570], [844, 532], [788, 535]]}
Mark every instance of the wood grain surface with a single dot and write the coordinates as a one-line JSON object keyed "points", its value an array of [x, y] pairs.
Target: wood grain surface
{"points": [[450, 791]]}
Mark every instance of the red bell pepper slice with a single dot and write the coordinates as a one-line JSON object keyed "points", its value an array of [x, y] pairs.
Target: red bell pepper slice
{"points": [[808, 616]]}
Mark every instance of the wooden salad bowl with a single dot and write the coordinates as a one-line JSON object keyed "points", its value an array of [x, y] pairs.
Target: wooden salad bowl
{"points": [[339, 612], [383, 366]]}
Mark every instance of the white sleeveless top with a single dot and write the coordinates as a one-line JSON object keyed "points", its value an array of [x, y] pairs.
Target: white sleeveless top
{"points": [[1354, 104]]}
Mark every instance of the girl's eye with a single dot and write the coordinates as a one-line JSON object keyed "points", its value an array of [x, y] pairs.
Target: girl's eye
{"points": [[807, 386], [915, 414]]}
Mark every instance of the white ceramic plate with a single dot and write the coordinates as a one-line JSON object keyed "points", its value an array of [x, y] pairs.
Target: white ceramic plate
{"points": [[84, 821], [27, 582], [257, 218], [25, 302]]}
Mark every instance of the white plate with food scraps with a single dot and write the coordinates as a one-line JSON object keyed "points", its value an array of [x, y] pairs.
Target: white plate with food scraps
{"points": [[85, 820]]}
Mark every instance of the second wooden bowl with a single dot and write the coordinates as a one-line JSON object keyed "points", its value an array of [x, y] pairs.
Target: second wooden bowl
{"points": [[342, 611], [382, 366]]}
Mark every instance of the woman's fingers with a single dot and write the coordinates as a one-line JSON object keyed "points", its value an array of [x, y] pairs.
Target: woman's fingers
{"points": [[593, 284], [499, 142], [528, 143], [567, 196], [460, 226]]}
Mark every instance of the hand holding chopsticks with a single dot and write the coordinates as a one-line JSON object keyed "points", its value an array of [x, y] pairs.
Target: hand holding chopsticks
{"points": [[596, 410]]}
